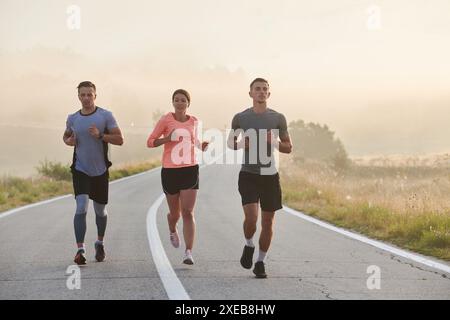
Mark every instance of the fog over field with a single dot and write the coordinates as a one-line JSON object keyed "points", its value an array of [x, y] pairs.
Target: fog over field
{"points": [[383, 88]]}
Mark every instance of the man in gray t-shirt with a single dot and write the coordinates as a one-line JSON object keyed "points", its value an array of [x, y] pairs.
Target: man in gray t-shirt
{"points": [[261, 131], [255, 127], [89, 131]]}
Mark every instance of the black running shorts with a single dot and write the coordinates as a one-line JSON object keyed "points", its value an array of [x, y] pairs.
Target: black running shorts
{"points": [[263, 188], [175, 179], [96, 187]]}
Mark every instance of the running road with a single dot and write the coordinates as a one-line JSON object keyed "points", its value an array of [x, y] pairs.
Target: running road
{"points": [[305, 261]]}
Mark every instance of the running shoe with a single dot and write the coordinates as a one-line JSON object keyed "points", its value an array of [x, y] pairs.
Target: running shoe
{"points": [[99, 252], [174, 239], [188, 257], [247, 257], [80, 257], [260, 270]]}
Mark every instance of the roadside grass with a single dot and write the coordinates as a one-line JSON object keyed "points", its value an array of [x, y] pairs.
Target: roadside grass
{"points": [[407, 206], [54, 179]]}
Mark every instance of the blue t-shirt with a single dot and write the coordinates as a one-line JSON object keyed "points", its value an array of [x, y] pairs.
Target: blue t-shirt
{"points": [[89, 151]]}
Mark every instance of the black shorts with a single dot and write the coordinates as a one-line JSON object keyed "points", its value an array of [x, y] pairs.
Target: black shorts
{"points": [[96, 187], [175, 179], [256, 188]]}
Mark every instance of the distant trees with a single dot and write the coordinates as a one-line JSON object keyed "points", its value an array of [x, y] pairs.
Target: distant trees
{"points": [[317, 142]]}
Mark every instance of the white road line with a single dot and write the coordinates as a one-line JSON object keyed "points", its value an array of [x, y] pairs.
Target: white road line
{"points": [[171, 283], [29, 206], [32, 205], [375, 243]]}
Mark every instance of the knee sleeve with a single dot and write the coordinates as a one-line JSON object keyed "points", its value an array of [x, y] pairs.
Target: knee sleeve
{"points": [[100, 209], [82, 203]]}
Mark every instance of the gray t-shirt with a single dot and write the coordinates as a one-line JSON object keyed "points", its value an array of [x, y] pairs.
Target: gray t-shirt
{"points": [[255, 126], [89, 152]]}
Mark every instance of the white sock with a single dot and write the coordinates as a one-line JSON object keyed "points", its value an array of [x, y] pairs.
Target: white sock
{"points": [[261, 256], [99, 242], [82, 248], [249, 242]]}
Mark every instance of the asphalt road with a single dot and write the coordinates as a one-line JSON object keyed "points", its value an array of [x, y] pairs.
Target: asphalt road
{"points": [[305, 261]]}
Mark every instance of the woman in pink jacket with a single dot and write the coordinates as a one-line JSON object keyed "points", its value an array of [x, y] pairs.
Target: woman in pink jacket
{"points": [[179, 173]]}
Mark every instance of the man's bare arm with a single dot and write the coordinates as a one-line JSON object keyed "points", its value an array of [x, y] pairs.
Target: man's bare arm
{"points": [[69, 138], [285, 144], [114, 137]]}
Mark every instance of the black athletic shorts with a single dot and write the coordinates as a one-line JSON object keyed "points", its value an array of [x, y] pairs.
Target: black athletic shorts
{"points": [[263, 188], [175, 179], [96, 187]]}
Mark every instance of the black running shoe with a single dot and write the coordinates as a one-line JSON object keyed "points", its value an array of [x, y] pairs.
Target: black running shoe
{"points": [[247, 257], [80, 257], [99, 252], [260, 270]]}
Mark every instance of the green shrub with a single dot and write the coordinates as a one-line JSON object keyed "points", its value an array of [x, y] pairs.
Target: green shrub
{"points": [[54, 170]]}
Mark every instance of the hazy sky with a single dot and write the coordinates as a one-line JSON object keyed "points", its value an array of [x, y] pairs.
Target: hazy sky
{"points": [[375, 71], [282, 37]]}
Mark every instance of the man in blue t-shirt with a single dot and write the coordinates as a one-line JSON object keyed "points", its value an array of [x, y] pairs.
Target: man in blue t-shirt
{"points": [[89, 130]]}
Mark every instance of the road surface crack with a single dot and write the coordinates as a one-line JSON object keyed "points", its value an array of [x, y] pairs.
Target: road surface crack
{"points": [[322, 288], [395, 258]]}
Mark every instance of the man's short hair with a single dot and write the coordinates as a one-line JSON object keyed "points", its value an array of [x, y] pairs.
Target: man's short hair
{"points": [[87, 84], [258, 80]]}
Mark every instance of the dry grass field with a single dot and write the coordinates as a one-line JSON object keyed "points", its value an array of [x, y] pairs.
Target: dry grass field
{"points": [[400, 199]]}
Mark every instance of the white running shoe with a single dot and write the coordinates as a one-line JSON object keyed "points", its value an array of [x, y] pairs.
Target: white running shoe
{"points": [[188, 257], [174, 239]]}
